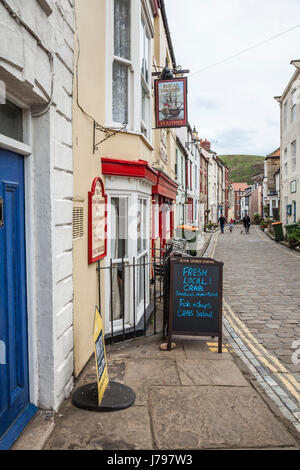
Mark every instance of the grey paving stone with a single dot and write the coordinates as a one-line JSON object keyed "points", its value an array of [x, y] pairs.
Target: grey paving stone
{"points": [[206, 372], [203, 417]]}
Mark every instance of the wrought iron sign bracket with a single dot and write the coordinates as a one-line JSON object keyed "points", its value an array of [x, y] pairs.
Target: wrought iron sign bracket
{"points": [[108, 134], [177, 71]]}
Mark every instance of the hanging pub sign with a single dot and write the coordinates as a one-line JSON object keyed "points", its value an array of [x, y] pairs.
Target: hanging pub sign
{"points": [[171, 102], [196, 287], [97, 236]]}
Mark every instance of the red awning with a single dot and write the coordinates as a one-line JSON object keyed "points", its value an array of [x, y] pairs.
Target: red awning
{"points": [[131, 169]]}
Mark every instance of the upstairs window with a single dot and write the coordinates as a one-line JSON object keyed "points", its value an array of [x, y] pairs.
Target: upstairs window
{"points": [[294, 106], [285, 164], [293, 154], [285, 115], [145, 76], [121, 60]]}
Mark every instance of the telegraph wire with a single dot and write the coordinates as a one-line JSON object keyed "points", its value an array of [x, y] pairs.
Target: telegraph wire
{"points": [[244, 51]]}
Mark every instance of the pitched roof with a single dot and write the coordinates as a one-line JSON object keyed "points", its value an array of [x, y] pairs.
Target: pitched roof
{"points": [[274, 154], [240, 186]]}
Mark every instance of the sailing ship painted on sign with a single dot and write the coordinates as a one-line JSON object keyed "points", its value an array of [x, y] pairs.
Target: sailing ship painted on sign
{"points": [[171, 103]]}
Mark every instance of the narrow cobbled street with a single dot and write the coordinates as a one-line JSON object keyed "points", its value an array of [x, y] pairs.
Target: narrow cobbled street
{"points": [[262, 310]]}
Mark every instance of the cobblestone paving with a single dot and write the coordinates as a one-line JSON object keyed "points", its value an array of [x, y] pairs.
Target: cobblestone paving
{"points": [[262, 287]]}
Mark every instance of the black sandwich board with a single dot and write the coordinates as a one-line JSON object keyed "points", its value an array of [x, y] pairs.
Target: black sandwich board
{"points": [[196, 291]]}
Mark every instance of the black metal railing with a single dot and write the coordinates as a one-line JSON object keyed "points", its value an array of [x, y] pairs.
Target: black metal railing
{"points": [[136, 303], [134, 294]]}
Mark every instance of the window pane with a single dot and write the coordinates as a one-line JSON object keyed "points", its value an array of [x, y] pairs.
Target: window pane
{"points": [[120, 93], [145, 47], [11, 121], [119, 228], [144, 225], [139, 226], [142, 278], [122, 28]]}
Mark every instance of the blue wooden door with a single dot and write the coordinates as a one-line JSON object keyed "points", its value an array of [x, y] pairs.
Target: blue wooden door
{"points": [[14, 387]]}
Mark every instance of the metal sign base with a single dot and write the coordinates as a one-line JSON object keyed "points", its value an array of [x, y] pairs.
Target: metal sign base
{"points": [[116, 397]]}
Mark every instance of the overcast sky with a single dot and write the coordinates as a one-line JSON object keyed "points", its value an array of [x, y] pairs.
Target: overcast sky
{"points": [[233, 104]]}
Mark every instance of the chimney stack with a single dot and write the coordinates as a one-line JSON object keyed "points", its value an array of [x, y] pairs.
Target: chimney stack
{"points": [[205, 144]]}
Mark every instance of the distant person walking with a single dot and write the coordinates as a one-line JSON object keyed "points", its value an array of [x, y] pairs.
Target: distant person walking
{"points": [[246, 222], [222, 222], [231, 225]]}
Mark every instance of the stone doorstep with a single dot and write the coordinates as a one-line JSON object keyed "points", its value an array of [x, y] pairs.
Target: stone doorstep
{"points": [[36, 434]]}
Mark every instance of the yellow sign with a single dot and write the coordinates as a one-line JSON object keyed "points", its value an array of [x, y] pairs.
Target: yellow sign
{"points": [[100, 356]]}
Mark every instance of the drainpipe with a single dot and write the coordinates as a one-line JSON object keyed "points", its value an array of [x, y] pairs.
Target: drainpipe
{"points": [[166, 24]]}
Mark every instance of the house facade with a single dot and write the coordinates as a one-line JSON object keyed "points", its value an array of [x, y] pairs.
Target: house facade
{"points": [[117, 149], [239, 189], [270, 194], [212, 180], [36, 191], [290, 149]]}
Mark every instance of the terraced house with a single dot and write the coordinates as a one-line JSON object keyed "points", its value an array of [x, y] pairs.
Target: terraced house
{"points": [[36, 191], [290, 148], [120, 157]]}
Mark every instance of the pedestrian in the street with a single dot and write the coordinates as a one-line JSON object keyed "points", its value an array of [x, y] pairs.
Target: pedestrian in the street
{"points": [[246, 222], [231, 225], [222, 222]]}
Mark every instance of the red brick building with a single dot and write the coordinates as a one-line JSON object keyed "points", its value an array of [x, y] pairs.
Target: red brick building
{"points": [[239, 189]]}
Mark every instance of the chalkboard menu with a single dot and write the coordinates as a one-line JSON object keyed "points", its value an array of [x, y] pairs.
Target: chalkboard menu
{"points": [[195, 298]]}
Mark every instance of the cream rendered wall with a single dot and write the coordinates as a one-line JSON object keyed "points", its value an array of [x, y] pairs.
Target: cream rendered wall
{"points": [[161, 51], [90, 80], [94, 88]]}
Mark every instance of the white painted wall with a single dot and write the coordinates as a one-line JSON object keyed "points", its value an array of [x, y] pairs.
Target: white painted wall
{"points": [[35, 44], [290, 133]]}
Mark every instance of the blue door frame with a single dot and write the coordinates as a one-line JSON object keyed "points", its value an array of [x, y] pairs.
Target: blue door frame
{"points": [[15, 409]]}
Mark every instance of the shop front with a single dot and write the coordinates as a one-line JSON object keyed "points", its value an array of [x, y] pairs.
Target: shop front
{"points": [[128, 185], [163, 199]]}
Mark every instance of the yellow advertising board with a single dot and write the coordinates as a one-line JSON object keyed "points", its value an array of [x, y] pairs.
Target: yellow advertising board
{"points": [[100, 355]]}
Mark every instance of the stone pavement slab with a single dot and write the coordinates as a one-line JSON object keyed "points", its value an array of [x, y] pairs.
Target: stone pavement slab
{"points": [[78, 429], [199, 349], [214, 418], [141, 373], [181, 403], [204, 372], [140, 349]]}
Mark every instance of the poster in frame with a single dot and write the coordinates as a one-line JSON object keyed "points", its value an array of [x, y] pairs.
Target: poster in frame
{"points": [[97, 222], [171, 103]]}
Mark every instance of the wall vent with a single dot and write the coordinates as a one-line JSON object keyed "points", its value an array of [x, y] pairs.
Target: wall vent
{"points": [[78, 230]]}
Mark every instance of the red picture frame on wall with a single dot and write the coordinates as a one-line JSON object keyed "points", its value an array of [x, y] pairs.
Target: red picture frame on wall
{"points": [[97, 222], [171, 103]]}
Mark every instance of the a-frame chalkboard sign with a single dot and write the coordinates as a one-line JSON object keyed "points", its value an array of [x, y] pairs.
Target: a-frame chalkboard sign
{"points": [[196, 291]]}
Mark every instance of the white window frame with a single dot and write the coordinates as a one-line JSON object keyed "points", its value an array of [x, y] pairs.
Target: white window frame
{"points": [[285, 115], [144, 85], [126, 62], [138, 7], [293, 105], [293, 156], [144, 252], [132, 198]]}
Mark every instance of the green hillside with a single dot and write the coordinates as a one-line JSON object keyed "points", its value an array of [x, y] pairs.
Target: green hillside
{"points": [[244, 168]]}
